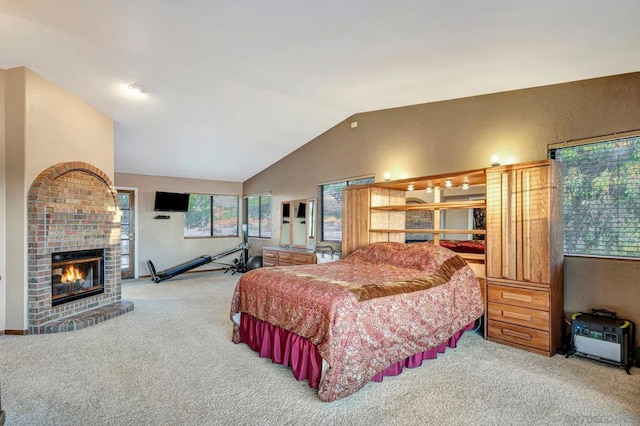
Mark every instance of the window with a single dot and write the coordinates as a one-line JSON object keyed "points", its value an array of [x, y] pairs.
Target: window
{"points": [[212, 216], [258, 214], [601, 197], [330, 195]]}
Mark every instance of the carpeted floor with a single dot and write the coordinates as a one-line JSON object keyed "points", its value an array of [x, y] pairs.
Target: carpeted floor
{"points": [[171, 362]]}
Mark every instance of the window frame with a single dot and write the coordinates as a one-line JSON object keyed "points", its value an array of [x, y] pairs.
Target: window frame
{"points": [[357, 180], [260, 216], [591, 252], [212, 219]]}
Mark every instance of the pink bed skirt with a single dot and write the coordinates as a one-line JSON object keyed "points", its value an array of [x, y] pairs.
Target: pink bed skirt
{"points": [[292, 350]]}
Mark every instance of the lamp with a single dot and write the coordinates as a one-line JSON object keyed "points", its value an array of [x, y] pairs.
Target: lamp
{"points": [[387, 176], [495, 161], [447, 183], [410, 187], [429, 189], [465, 185]]}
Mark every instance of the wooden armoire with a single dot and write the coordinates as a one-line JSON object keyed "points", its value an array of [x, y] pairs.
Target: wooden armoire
{"points": [[524, 258]]}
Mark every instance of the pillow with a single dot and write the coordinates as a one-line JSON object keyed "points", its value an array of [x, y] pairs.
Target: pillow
{"points": [[421, 256]]}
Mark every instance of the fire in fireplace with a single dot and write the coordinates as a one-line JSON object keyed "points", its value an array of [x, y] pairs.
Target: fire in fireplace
{"points": [[76, 274]]}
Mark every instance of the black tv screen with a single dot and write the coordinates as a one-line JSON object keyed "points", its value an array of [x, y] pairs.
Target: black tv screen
{"points": [[171, 202]]}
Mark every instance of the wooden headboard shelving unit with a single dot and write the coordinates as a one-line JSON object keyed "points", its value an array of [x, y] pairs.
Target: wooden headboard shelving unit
{"points": [[377, 212], [521, 269]]}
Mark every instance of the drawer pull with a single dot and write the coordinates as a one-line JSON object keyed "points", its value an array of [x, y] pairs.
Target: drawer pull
{"points": [[513, 296], [512, 333], [516, 315]]}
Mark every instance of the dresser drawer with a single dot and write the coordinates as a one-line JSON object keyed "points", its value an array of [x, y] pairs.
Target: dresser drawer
{"points": [[284, 257], [268, 262], [521, 335], [301, 259], [269, 258], [269, 255], [535, 299], [519, 316]]}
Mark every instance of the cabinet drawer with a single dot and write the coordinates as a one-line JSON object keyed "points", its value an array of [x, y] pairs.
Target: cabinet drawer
{"points": [[301, 259], [534, 299], [284, 256], [269, 255], [521, 335], [519, 315], [268, 262]]}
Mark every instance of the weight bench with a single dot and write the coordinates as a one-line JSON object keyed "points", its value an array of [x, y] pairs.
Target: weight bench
{"points": [[156, 277]]}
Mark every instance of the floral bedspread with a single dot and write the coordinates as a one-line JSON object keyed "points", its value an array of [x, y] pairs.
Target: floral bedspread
{"points": [[383, 303]]}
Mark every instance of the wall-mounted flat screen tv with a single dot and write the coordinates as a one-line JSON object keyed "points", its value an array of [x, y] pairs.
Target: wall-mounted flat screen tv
{"points": [[171, 202]]}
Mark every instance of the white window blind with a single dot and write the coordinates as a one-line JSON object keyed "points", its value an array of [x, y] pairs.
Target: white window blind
{"points": [[601, 197], [259, 216], [330, 195]]}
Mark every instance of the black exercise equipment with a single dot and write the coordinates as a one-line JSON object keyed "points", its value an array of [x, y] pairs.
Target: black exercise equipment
{"points": [[239, 265]]}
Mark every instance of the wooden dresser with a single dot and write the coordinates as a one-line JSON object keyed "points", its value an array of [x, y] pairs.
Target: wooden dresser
{"points": [[524, 256], [282, 256]]}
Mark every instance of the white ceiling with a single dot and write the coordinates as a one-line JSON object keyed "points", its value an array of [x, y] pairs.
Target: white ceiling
{"points": [[233, 86]]}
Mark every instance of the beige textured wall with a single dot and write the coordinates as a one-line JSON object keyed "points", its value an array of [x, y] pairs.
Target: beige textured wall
{"points": [[163, 241], [3, 208], [464, 134], [60, 128], [16, 278], [46, 125]]}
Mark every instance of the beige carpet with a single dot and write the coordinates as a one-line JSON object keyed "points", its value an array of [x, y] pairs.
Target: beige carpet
{"points": [[171, 362]]}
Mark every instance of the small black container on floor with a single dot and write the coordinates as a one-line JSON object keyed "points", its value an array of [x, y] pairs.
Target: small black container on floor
{"points": [[603, 337]]}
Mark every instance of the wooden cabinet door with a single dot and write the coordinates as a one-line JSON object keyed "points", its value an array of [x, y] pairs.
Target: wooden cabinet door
{"points": [[533, 227], [355, 219], [501, 222], [518, 223]]}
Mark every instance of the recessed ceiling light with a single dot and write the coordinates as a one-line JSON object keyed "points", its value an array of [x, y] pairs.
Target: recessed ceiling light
{"points": [[138, 89]]}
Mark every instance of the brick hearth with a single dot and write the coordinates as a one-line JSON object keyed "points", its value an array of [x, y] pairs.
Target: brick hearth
{"points": [[72, 206]]}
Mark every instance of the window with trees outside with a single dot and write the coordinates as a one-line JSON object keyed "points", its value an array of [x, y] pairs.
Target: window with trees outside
{"points": [[330, 196], [212, 216], [601, 196], [258, 214]]}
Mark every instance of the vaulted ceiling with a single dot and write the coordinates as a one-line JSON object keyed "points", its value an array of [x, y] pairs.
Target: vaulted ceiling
{"points": [[234, 86]]}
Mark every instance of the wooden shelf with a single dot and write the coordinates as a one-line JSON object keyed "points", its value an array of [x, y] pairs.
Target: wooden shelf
{"points": [[433, 231], [471, 256], [433, 206], [472, 177]]}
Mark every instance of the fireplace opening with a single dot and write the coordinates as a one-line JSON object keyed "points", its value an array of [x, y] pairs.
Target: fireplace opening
{"points": [[76, 274]]}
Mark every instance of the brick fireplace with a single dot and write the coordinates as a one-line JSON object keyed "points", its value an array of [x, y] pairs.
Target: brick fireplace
{"points": [[73, 220]]}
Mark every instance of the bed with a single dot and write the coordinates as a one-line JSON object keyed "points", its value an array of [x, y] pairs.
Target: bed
{"points": [[342, 324]]}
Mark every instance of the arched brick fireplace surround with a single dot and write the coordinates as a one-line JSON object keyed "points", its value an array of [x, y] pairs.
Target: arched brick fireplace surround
{"points": [[72, 206]]}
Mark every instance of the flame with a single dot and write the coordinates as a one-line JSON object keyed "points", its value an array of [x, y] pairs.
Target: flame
{"points": [[71, 275]]}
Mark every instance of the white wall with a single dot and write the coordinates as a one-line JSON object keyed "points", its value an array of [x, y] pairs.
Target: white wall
{"points": [[61, 128], [162, 241], [3, 209]]}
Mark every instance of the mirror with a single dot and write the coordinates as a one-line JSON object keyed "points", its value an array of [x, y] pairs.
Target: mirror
{"points": [[311, 223], [297, 226], [285, 227]]}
